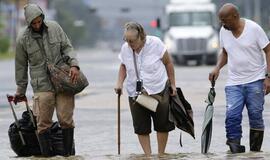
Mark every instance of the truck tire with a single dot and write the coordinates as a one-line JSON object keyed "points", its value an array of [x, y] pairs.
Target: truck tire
{"points": [[179, 60], [199, 62], [211, 59]]}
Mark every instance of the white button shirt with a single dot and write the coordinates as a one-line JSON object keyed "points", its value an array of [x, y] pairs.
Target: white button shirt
{"points": [[149, 65]]}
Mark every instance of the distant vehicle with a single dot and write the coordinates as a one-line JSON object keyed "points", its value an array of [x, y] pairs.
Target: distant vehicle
{"points": [[192, 31]]}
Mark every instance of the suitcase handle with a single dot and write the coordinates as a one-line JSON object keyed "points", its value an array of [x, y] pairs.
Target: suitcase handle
{"points": [[15, 100], [11, 99]]}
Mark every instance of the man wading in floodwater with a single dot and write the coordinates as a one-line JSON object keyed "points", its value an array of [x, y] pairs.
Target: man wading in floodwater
{"points": [[243, 43], [45, 41]]}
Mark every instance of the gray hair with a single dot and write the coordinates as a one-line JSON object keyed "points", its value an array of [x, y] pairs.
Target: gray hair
{"points": [[136, 27]]}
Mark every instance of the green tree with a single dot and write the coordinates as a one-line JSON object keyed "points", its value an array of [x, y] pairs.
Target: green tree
{"points": [[4, 40], [77, 21]]}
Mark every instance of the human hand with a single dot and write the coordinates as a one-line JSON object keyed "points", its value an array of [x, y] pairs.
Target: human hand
{"points": [[266, 85], [213, 76], [18, 97], [173, 90], [118, 89], [74, 74]]}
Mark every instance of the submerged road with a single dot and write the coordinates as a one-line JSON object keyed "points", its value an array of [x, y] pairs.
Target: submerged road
{"points": [[95, 114]]}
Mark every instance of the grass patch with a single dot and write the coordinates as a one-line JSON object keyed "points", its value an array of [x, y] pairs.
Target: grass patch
{"points": [[7, 55]]}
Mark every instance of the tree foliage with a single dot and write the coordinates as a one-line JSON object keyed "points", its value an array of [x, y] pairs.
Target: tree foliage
{"points": [[4, 40], [77, 21]]}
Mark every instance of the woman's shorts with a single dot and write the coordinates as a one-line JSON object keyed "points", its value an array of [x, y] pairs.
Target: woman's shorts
{"points": [[142, 116]]}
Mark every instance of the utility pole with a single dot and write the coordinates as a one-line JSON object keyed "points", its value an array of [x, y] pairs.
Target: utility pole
{"points": [[0, 6], [257, 11], [16, 25], [248, 8]]}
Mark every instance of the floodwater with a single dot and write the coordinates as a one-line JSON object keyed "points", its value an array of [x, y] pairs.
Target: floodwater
{"points": [[96, 115]]}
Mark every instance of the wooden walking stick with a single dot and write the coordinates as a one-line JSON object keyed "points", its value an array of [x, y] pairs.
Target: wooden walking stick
{"points": [[118, 121]]}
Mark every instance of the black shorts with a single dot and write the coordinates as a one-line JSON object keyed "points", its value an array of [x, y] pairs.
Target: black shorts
{"points": [[142, 116]]}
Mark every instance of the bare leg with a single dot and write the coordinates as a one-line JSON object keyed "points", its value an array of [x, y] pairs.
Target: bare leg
{"points": [[145, 143], [162, 138]]}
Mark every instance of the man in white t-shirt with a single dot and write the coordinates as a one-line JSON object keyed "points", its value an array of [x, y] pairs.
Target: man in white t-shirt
{"points": [[243, 44], [146, 64]]}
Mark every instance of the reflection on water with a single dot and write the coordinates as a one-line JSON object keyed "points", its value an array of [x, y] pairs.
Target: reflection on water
{"points": [[198, 156], [95, 139], [51, 158], [181, 156], [153, 157]]}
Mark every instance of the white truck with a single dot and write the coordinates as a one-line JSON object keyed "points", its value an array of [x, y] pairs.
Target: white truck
{"points": [[191, 31]]}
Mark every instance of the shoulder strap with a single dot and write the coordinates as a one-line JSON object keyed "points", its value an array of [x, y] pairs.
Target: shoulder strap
{"points": [[43, 51], [41, 47], [135, 64]]}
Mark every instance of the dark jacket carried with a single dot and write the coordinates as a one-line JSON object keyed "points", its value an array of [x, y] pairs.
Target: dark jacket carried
{"points": [[181, 114]]}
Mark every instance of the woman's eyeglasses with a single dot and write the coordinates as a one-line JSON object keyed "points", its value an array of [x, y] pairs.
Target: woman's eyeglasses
{"points": [[131, 41]]}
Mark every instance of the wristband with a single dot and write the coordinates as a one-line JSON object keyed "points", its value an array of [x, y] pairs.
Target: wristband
{"points": [[267, 75]]}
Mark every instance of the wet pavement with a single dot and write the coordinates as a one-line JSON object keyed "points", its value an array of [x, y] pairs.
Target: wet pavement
{"points": [[96, 115]]}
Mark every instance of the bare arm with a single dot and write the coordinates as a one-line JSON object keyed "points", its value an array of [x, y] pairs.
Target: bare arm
{"points": [[222, 61], [167, 61], [121, 78], [267, 80]]}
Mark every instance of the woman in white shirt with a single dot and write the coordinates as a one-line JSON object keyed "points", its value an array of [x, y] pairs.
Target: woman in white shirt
{"points": [[146, 64]]}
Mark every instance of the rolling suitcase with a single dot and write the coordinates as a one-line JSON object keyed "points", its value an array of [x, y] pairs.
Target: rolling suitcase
{"points": [[23, 133]]}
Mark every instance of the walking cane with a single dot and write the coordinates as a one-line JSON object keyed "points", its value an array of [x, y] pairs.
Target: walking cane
{"points": [[118, 121], [10, 99]]}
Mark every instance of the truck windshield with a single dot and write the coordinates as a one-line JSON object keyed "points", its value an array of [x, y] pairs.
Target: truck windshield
{"points": [[190, 19]]}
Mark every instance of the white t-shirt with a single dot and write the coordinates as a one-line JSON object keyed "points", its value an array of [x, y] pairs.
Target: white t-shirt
{"points": [[246, 62], [150, 66]]}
